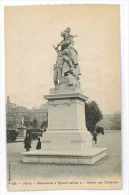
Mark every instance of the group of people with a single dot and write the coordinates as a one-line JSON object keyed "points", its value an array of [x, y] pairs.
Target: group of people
{"points": [[28, 142]]}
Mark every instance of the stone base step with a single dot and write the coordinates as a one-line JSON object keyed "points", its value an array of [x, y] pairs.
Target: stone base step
{"points": [[89, 157]]}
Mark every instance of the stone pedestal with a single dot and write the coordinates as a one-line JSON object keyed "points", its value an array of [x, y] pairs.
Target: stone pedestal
{"points": [[67, 139], [66, 123]]}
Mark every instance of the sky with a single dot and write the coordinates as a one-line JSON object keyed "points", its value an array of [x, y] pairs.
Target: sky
{"points": [[31, 32]]}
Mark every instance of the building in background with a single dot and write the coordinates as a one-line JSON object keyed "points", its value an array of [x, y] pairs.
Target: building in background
{"points": [[16, 113], [10, 114]]}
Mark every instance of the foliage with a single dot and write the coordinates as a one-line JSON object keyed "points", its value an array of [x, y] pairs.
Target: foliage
{"points": [[92, 115]]}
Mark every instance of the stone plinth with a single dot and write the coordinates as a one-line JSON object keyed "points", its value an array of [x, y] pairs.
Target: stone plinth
{"points": [[89, 157], [66, 122], [67, 140]]}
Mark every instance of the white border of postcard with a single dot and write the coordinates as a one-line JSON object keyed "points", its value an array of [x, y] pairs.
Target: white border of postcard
{"points": [[124, 8]]}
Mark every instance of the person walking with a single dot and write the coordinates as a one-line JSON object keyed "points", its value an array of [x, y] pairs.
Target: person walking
{"points": [[95, 137]]}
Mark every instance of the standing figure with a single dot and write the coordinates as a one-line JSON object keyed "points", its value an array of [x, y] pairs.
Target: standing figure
{"points": [[95, 137], [58, 69], [38, 146], [27, 142]]}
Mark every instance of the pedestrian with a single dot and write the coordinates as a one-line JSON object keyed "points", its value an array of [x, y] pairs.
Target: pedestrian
{"points": [[99, 129], [95, 137], [27, 142], [38, 146]]}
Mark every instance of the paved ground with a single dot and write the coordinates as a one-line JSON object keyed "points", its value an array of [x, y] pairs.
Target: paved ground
{"points": [[108, 167]]}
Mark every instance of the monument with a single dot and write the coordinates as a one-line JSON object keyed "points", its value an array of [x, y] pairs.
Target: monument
{"points": [[67, 140]]}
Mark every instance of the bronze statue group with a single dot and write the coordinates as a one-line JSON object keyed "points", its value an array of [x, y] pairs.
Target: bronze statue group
{"points": [[66, 69]]}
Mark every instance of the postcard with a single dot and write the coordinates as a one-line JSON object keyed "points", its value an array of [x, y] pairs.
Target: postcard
{"points": [[63, 97]]}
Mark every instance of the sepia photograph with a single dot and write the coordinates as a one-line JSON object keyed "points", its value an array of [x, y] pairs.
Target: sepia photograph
{"points": [[63, 97]]}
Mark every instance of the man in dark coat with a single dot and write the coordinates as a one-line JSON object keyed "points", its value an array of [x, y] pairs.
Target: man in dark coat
{"points": [[27, 142], [38, 147]]}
